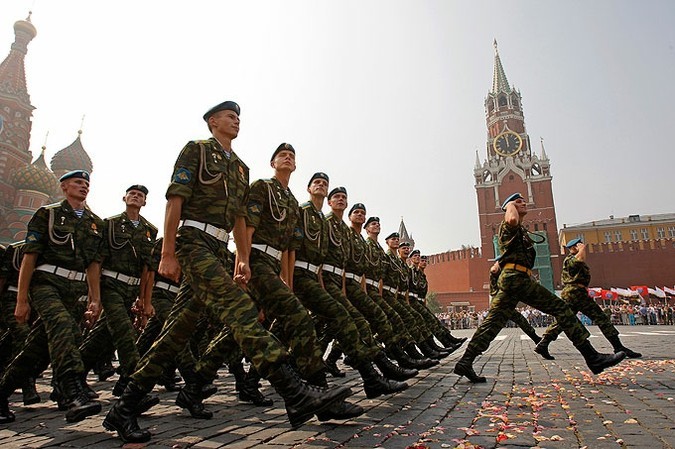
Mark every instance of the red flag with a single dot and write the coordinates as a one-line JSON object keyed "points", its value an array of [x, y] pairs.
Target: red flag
{"points": [[594, 292], [610, 295], [643, 290]]}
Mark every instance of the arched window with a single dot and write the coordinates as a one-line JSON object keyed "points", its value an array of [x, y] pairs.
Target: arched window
{"points": [[502, 100]]}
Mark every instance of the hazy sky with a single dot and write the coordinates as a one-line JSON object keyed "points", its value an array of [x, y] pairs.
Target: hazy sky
{"points": [[387, 97]]}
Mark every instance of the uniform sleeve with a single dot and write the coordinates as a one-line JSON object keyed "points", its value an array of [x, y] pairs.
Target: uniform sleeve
{"points": [[185, 172], [155, 256], [257, 198], [37, 232], [298, 233], [243, 181]]}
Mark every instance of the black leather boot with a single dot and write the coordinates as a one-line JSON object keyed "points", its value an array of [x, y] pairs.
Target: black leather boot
{"points": [[406, 361], [190, 398], [91, 394], [596, 361], [301, 399], [391, 370], [542, 348], [443, 349], [29, 392], [249, 392], [430, 352], [448, 339], [6, 415], [168, 381], [338, 410], [535, 338], [464, 367], [104, 369], [331, 362], [120, 385], [79, 404], [239, 373], [122, 416], [413, 352], [376, 385], [616, 344]]}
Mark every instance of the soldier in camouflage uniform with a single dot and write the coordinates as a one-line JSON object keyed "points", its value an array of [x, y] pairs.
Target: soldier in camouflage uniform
{"points": [[375, 259], [207, 200], [514, 316], [16, 333], [576, 276], [418, 287], [61, 264], [130, 238], [516, 284], [320, 246]]}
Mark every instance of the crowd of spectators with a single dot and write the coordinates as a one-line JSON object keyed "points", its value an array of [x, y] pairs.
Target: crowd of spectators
{"points": [[624, 314]]}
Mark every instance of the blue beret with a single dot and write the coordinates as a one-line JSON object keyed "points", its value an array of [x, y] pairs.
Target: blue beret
{"points": [[372, 219], [415, 252], [512, 197], [357, 206], [318, 175], [224, 106], [393, 235], [572, 243], [282, 147], [81, 174], [139, 187], [337, 190], [404, 244]]}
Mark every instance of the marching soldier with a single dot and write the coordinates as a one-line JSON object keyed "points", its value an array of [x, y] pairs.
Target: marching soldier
{"points": [[206, 201], [576, 276], [61, 264], [516, 284]]}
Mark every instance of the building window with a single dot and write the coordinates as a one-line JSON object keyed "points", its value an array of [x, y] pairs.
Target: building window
{"points": [[661, 232], [608, 236], [617, 236], [645, 233], [671, 231], [633, 234], [536, 227]]}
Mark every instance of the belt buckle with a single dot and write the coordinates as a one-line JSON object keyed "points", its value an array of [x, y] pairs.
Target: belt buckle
{"points": [[71, 275], [221, 234]]}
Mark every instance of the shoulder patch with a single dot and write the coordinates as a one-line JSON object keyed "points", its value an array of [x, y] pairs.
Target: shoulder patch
{"points": [[306, 205], [182, 176], [33, 236]]}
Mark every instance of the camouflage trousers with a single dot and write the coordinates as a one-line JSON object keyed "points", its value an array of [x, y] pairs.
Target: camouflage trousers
{"points": [[377, 319], [293, 324], [523, 324], [15, 334], [402, 334], [577, 299], [338, 319], [114, 329], [333, 285], [203, 260], [55, 336], [515, 286], [430, 320], [411, 317], [162, 302]]}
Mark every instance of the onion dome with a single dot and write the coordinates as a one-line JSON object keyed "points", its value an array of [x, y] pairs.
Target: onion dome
{"points": [[36, 176], [26, 28], [72, 157]]}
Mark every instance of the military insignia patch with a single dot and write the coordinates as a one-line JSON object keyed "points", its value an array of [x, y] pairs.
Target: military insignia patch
{"points": [[94, 228], [241, 173], [33, 237], [254, 209], [182, 176]]}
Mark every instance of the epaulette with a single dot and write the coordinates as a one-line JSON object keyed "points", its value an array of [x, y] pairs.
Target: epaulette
{"points": [[306, 205], [201, 142], [52, 206], [113, 217]]}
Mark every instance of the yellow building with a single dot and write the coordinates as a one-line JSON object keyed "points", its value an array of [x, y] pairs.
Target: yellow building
{"points": [[633, 228]]}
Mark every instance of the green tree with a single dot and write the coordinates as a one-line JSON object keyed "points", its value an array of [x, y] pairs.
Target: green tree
{"points": [[432, 304]]}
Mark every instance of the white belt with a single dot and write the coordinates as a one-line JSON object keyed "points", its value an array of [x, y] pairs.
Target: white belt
{"points": [[372, 283], [308, 266], [218, 233], [268, 250], [353, 276], [391, 290], [11, 288], [413, 295], [332, 269], [166, 286], [129, 280], [64, 273]]}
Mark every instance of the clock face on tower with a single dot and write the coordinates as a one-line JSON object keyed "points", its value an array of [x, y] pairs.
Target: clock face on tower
{"points": [[507, 143]]}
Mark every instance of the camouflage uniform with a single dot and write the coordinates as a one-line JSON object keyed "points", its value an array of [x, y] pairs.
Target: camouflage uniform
{"points": [[16, 333], [356, 267], [127, 253], [310, 251], [61, 240], [273, 213], [576, 276], [514, 315], [214, 188], [517, 248], [333, 272], [418, 287]]}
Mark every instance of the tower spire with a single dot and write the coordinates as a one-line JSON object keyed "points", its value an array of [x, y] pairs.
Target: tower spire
{"points": [[477, 160], [543, 150], [499, 81]]}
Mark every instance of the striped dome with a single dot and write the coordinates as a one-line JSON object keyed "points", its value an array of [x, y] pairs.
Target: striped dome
{"points": [[36, 176], [72, 157]]}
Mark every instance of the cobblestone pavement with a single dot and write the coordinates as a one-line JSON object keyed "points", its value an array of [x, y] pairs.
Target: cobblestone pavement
{"points": [[527, 402]]}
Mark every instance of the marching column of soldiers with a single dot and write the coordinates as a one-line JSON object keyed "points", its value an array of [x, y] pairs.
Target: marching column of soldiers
{"points": [[80, 288]]}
